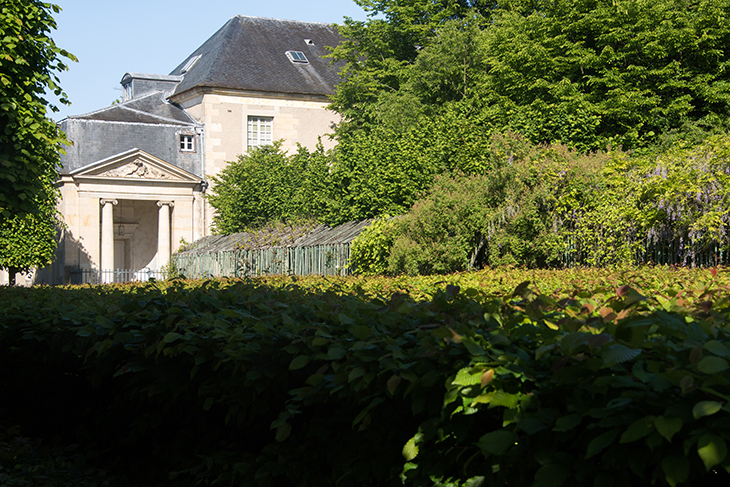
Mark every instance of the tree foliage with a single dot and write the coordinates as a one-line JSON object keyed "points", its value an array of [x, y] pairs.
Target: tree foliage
{"points": [[587, 74], [29, 240], [29, 140], [514, 213], [572, 377], [453, 90], [553, 207], [266, 185], [378, 53]]}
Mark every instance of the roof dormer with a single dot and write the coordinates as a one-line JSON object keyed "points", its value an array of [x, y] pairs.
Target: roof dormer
{"points": [[136, 85]]}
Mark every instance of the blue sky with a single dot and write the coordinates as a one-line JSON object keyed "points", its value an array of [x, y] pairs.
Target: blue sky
{"points": [[154, 36]]}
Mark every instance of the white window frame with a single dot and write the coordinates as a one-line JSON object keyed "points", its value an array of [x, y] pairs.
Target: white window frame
{"points": [[260, 131], [187, 143], [297, 57]]}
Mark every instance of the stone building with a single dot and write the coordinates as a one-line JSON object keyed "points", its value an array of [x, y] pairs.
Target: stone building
{"points": [[134, 180]]}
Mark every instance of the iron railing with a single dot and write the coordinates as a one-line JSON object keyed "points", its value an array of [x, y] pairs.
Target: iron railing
{"points": [[96, 276]]}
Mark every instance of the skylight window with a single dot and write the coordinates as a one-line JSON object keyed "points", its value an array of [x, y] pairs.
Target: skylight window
{"points": [[296, 57], [190, 63]]}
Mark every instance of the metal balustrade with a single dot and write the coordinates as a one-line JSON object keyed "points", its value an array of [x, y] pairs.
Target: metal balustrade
{"points": [[96, 276]]}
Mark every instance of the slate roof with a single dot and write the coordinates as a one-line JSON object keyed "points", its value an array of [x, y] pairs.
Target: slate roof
{"points": [[248, 53], [152, 108]]}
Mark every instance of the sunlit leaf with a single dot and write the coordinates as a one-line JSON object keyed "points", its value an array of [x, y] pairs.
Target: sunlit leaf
{"points": [[467, 377], [712, 450], [487, 377], [410, 450], [705, 408]]}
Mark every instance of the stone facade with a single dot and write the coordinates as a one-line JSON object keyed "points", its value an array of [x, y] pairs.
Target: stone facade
{"points": [[134, 179]]}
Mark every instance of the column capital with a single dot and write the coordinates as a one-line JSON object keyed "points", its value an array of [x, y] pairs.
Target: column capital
{"points": [[171, 204], [104, 201]]}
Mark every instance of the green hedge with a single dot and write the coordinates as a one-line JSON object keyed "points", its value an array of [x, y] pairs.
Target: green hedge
{"points": [[271, 383]]}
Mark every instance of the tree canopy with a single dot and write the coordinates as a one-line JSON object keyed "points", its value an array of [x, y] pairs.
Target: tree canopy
{"points": [[590, 74], [266, 185], [29, 141]]}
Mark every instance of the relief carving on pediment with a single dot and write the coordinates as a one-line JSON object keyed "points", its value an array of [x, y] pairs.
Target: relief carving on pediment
{"points": [[136, 169]]}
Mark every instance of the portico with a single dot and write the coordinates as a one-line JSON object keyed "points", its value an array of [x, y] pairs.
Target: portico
{"points": [[130, 212]]}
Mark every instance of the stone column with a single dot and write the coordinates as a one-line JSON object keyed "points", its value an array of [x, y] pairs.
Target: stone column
{"points": [[163, 233], [197, 209], [107, 238]]}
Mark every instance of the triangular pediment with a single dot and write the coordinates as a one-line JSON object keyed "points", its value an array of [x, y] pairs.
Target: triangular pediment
{"points": [[135, 164]]}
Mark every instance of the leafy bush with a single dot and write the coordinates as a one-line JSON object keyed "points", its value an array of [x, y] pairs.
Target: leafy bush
{"points": [[369, 251], [599, 375], [28, 463], [509, 215], [666, 207], [551, 207], [620, 390]]}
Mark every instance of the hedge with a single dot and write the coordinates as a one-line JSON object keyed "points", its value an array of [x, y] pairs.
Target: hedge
{"points": [[280, 382]]}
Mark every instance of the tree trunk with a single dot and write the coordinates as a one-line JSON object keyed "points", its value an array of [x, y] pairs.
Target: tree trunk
{"points": [[11, 275]]}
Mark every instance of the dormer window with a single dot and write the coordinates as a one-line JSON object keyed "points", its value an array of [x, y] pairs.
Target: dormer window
{"points": [[297, 57], [187, 143]]}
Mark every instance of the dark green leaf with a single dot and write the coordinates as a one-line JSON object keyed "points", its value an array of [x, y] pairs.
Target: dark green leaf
{"points": [[668, 427], [497, 442], [600, 442], [676, 469], [299, 362]]}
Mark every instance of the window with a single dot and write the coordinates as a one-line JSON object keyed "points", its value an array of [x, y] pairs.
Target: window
{"points": [[260, 131], [187, 142], [190, 63], [296, 56]]}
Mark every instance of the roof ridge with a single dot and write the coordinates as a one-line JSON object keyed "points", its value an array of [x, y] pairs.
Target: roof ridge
{"points": [[153, 115], [282, 20], [224, 31], [113, 106], [230, 33]]}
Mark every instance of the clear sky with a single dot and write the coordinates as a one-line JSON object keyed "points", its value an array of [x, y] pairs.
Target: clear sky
{"points": [[154, 36]]}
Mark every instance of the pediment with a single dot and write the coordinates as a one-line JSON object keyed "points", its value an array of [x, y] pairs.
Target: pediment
{"points": [[135, 164]]}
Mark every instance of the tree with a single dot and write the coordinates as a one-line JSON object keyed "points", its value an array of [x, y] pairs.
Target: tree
{"points": [[378, 54], [29, 141], [589, 74], [29, 241], [266, 185], [601, 73]]}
